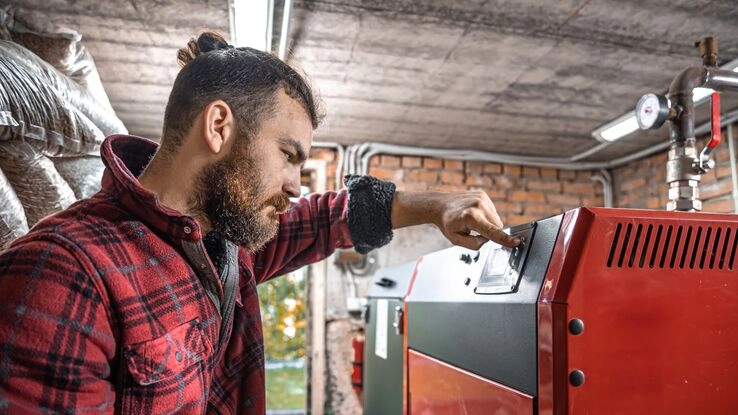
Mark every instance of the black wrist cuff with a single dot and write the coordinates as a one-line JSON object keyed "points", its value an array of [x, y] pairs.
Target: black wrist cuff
{"points": [[369, 211]]}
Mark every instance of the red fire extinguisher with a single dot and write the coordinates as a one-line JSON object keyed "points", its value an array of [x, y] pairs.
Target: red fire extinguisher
{"points": [[357, 377]]}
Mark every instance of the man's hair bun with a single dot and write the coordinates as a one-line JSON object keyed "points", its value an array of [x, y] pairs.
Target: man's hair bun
{"points": [[206, 42]]}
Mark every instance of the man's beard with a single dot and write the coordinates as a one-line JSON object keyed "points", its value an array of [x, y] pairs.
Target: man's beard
{"points": [[230, 193]]}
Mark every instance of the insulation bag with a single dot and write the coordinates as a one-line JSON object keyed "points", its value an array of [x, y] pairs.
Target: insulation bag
{"points": [[12, 217], [83, 174], [38, 185], [34, 110]]}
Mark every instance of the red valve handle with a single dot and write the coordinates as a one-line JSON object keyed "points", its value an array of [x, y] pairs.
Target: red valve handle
{"points": [[714, 120]]}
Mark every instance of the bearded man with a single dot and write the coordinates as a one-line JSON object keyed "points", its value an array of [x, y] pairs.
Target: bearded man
{"points": [[142, 299]]}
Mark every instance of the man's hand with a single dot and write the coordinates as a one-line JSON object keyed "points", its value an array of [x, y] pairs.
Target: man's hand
{"points": [[467, 219]]}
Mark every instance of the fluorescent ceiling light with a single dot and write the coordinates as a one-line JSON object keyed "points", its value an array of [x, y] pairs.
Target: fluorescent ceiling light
{"points": [[251, 23], [616, 129], [627, 124]]}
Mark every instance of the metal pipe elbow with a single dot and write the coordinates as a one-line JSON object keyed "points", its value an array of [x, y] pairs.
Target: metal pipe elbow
{"points": [[680, 95]]}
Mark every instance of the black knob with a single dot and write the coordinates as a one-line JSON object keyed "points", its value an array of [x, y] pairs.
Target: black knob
{"points": [[576, 378], [385, 282], [576, 326]]}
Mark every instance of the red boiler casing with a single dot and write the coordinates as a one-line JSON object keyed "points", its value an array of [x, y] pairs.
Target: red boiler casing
{"points": [[615, 311]]}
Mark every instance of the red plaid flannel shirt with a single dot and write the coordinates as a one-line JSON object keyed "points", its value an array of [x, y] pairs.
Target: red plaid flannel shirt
{"points": [[102, 313]]}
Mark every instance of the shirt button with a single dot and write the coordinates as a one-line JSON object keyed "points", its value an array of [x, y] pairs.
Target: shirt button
{"points": [[178, 356], [203, 266], [187, 230]]}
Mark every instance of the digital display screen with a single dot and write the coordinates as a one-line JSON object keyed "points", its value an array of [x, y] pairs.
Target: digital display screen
{"points": [[501, 273]]}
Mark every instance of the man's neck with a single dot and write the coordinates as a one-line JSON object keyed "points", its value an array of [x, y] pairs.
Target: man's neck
{"points": [[171, 179]]}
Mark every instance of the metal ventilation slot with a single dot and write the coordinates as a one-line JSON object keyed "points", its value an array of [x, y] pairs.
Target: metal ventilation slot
{"points": [[659, 246]]}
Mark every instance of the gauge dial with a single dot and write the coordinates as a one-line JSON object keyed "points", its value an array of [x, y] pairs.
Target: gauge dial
{"points": [[651, 111]]}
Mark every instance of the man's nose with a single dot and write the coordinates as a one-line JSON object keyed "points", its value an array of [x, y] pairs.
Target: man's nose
{"points": [[292, 185]]}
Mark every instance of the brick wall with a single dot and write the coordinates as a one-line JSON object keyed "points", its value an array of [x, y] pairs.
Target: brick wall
{"points": [[642, 184], [521, 194]]}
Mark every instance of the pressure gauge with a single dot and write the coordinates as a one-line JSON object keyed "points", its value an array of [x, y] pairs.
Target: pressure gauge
{"points": [[651, 111]]}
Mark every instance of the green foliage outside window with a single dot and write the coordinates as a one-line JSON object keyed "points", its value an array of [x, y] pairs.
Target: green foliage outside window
{"points": [[283, 314]]}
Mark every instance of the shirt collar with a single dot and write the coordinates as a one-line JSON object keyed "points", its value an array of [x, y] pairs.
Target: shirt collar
{"points": [[125, 158]]}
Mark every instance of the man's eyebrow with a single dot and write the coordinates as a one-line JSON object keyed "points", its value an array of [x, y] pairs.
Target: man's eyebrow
{"points": [[300, 152]]}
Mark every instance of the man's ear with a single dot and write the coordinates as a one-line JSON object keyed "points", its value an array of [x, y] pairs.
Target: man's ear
{"points": [[219, 126]]}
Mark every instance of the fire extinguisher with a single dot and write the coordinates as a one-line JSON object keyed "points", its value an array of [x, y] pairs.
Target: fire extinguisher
{"points": [[357, 376]]}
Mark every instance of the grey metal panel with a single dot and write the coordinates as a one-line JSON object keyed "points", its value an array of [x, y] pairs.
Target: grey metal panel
{"points": [[383, 377], [400, 276], [494, 336]]}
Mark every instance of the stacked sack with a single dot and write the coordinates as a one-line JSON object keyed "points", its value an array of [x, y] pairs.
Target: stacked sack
{"points": [[54, 114]]}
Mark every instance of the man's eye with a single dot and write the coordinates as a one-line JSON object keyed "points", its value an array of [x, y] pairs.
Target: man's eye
{"points": [[287, 155]]}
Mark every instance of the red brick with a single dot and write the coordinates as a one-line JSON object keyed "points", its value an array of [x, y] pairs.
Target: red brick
{"points": [[493, 168], [452, 177], [412, 162], [529, 171], [508, 207], [431, 163], [622, 200], [513, 220], [427, 176], [584, 175], [716, 188], [659, 160], [541, 210], [413, 175], [390, 161], [579, 189], [453, 165], [448, 188], [375, 161], [394, 175], [562, 199], [723, 170], [503, 182], [549, 173], [526, 197], [537, 184], [478, 180], [567, 174], [474, 167], [512, 170], [633, 184], [719, 205], [413, 186], [593, 201], [654, 202], [323, 154]]}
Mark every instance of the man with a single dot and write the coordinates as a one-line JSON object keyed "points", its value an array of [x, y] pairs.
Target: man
{"points": [[142, 299]]}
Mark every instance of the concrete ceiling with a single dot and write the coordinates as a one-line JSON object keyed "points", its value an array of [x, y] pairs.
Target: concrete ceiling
{"points": [[522, 77]]}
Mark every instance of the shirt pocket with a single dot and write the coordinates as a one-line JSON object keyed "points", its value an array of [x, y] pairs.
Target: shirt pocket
{"points": [[167, 356]]}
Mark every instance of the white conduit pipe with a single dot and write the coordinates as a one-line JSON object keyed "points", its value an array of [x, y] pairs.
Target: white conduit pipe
{"points": [[358, 168], [733, 173], [285, 31], [563, 163], [605, 178]]}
